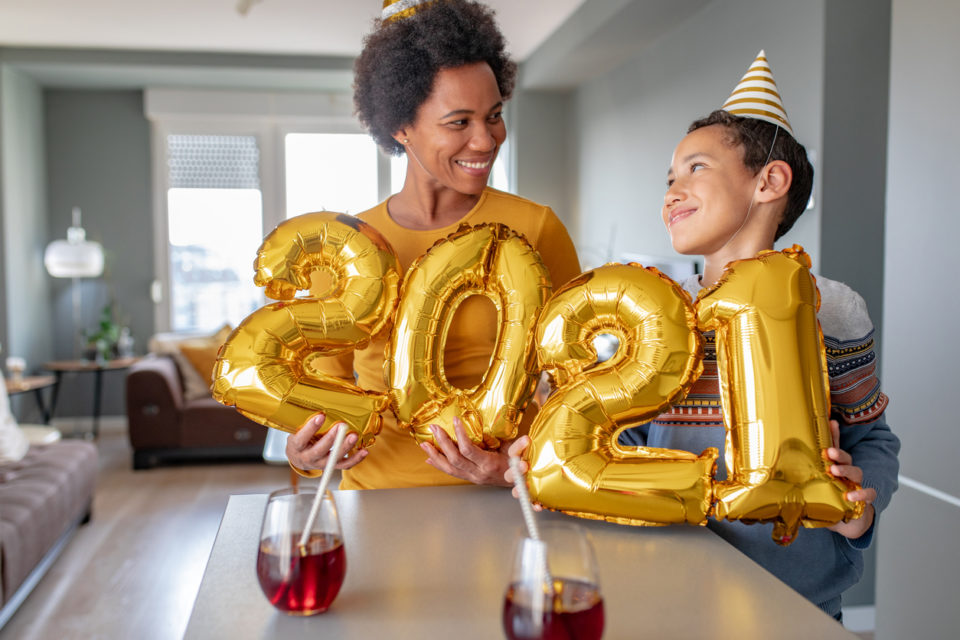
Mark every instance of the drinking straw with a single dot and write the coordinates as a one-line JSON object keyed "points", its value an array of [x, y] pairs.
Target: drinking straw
{"points": [[520, 482], [324, 481]]}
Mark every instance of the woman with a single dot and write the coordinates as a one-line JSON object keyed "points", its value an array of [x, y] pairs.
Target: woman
{"points": [[431, 83]]}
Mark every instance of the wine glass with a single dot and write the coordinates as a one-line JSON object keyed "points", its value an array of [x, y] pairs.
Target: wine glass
{"points": [[300, 580], [554, 589]]}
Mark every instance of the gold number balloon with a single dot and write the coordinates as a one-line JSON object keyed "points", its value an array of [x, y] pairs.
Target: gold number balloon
{"points": [[775, 396], [487, 260], [576, 463], [264, 368]]}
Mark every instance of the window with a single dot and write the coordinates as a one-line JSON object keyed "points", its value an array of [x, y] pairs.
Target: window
{"points": [[214, 215], [229, 167], [330, 172]]}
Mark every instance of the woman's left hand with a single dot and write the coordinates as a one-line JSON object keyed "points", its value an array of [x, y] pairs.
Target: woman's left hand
{"points": [[463, 459]]}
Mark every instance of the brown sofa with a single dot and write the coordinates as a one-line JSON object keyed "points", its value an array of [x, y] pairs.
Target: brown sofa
{"points": [[166, 426], [43, 498]]}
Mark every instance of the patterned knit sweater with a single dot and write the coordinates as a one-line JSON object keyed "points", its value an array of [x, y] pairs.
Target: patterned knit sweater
{"points": [[819, 564]]}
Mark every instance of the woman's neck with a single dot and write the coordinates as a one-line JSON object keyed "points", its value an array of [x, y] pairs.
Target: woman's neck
{"points": [[428, 205]]}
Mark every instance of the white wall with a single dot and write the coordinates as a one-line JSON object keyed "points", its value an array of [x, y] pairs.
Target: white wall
{"points": [[918, 562], [627, 122]]}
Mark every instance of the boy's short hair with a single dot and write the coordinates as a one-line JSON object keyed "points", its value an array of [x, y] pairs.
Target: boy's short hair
{"points": [[754, 137]]}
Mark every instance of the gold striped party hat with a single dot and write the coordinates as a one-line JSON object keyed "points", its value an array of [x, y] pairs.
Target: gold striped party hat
{"points": [[399, 9], [757, 97]]}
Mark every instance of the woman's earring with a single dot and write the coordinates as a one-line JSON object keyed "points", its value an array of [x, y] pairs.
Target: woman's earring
{"points": [[406, 141]]}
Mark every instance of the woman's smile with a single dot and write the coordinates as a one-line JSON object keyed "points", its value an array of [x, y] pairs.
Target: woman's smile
{"points": [[476, 167]]}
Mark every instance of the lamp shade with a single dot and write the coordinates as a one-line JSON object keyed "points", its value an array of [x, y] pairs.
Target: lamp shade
{"points": [[64, 259], [75, 257]]}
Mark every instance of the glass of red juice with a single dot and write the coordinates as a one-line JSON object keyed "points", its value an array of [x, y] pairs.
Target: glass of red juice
{"points": [[554, 587], [300, 579]]}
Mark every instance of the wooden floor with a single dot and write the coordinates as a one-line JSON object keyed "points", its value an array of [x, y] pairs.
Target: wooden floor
{"points": [[134, 570]]}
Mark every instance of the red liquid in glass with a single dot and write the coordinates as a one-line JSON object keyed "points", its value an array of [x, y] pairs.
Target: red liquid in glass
{"points": [[301, 584], [576, 613]]}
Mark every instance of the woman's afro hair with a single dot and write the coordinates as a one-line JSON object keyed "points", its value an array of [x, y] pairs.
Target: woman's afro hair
{"points": [[400, 59]]}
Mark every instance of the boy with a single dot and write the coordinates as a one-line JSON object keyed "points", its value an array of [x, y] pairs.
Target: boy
{"points": [[737, 182]]}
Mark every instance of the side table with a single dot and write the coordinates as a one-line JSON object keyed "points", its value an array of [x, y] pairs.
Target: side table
{"points": [[36, 384], [97, 367]]}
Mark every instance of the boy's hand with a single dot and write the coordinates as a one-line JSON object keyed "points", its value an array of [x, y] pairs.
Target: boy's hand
{"points": [[515, 451], [843, 467]]}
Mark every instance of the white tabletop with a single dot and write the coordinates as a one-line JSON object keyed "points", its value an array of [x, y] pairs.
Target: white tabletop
{"points": [[433, 562]]}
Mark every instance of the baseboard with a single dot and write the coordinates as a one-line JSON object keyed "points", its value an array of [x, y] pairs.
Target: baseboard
{"points": [[862, 618], [149, 458]]}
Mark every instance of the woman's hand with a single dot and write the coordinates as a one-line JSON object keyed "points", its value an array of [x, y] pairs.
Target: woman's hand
{"points": [[843, 467], [307, 455], [463, 459]]}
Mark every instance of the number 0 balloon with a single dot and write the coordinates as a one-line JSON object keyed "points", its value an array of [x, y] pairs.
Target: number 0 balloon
{"points": [[489, 260]]}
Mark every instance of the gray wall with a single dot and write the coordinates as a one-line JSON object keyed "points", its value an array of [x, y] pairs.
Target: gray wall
{"points": [[98, 158], [627, 122], [830, 60], [918, 563], [853, 166], [3, 266], [543, 148], [27, 317], [854, 150]]}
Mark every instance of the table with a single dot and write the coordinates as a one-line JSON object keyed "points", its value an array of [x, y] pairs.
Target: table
{"points": [[59, 367], [36, 384], [433, 563]]}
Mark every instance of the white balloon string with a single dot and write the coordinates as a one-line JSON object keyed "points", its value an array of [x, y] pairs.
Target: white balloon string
{"points": [[324, 481], [753, 197]]}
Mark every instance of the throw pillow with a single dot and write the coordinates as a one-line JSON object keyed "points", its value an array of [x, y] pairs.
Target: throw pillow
{"points": [[201, 355], [197, 370]]}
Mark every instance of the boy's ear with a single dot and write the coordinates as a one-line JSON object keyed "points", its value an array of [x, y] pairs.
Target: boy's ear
{"points": [[775, 180]]}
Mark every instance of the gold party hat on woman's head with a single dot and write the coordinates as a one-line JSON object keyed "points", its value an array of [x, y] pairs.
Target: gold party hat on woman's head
{"points": [[398, 9], [757, 97]]}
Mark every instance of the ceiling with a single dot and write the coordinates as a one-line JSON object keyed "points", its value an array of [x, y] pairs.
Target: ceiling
{"points": [[292, 27]]}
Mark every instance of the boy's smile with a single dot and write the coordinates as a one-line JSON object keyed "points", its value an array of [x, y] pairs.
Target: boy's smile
{"points": [[709, 193]]}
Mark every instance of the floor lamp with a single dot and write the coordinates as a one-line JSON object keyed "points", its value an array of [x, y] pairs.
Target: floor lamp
{"points": [[76, 257]]}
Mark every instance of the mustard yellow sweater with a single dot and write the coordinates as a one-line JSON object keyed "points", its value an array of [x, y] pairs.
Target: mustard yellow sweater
{"points": [[395, 460]]}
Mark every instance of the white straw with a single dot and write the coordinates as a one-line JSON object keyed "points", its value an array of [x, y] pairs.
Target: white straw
{"points": [[520, 482], [324, 481]]}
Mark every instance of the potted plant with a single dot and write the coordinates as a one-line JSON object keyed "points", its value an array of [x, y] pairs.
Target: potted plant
{"points": [[101, 344]]}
